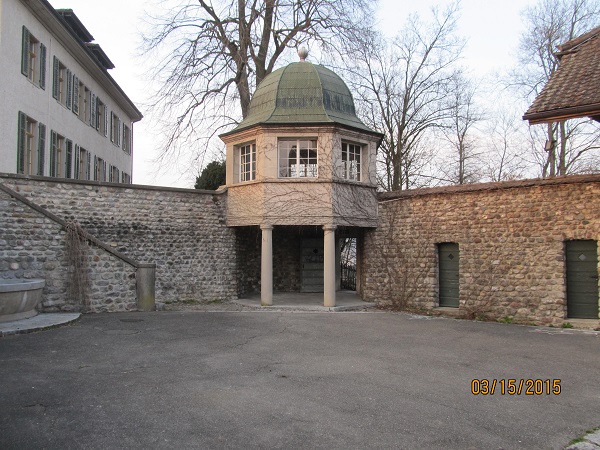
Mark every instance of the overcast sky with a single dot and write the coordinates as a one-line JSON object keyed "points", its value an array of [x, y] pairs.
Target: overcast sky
{"points": [[492, 29]]}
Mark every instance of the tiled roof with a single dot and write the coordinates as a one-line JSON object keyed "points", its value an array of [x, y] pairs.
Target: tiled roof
{"points": [[574, 89]]}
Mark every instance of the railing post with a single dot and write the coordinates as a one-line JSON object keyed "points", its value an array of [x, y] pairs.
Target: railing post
{"points": [[145, 287]]}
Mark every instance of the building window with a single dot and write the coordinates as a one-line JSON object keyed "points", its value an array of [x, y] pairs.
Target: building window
{"points": [[247, 162], [83, 163], [125, 178], [113, 174], [57, 155], [31, 146], [115, 129], [351, 165], [298, 158], [33, 59], [62, 87], [84, 99], [99, 169], [99, 119], [126, 139]]}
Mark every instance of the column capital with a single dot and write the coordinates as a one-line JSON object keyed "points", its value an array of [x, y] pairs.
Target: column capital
{"points": [[329, 227], [266, 226]]}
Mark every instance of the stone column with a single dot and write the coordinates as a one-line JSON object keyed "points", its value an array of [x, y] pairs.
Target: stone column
{"points": [[145, 277], [266, 266], [329, 266]]}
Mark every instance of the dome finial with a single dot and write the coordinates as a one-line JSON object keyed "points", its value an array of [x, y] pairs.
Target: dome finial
{"points": [[303, 53]]}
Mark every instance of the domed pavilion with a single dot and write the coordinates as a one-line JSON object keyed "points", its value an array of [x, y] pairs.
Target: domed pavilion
{"points": [[301, 168]]}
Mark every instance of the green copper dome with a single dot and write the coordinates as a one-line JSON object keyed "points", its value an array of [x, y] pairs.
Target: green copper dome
{"points": [[302, 93]]}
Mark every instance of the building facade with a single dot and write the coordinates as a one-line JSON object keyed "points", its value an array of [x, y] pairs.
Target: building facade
{"points": [[62, 114]]}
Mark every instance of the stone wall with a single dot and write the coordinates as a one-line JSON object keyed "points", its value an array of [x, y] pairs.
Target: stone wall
{"points": [[33, 245], [511, 240], [182, 231]]}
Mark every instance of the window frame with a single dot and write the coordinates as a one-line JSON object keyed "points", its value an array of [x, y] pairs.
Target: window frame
{"points": [[352, 149], [247, 162], [31, 146], [33, 59], [287, 171], [57, 154]]}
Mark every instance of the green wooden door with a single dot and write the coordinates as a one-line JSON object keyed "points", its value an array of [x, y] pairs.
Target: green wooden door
{"points": [[448, 257], [312, 265], [582, 279]]}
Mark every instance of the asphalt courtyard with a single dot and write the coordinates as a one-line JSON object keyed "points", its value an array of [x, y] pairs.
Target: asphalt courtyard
{"points": [[294, 380]]}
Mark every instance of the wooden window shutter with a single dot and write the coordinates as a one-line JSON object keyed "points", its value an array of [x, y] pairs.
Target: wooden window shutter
{"points": [[76, 174], [41, 149], [118, 131], [105, 113], [69, 99], [53, 149], [94, 122], [56, 78], [88, 158], [69, 159], [25, 52], [75, 95], [21, 143], [104, 171], [42, 66], [112, 131], [95, 168]]}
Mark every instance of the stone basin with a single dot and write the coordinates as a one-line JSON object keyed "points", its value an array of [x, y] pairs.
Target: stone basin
{"points": [[19, 297]]}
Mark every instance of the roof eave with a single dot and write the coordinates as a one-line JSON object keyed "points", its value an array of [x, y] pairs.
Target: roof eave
{"points": [[557, 115]]}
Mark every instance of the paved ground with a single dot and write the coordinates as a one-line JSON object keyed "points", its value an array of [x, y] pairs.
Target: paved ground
{"points": [[292, 380]]}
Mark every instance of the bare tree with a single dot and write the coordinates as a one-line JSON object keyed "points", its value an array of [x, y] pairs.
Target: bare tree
{"points": [[211, 54], [505, 146], [402, 87], [549, 24], [464, 160]]}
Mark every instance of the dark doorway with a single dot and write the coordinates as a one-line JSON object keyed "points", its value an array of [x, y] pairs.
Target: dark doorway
{"points": [[312, 265], [582, 279], [448, 257]]}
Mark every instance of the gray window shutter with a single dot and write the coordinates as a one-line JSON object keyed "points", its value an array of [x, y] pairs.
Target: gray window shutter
{"points": [[75, 94], [104, 171], [112, 131], [117, 172], [53, 145], [118, 131], [69, 99], [41, 149], [25, 52], [94, 122], [69, 159], [56, 78], [42, 66], [95, 168], [21, 143], [76, 174], [105, 113], [87, 165]]}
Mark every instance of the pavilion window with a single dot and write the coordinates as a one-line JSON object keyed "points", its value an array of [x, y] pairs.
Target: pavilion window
{"points": [[298, 158]]}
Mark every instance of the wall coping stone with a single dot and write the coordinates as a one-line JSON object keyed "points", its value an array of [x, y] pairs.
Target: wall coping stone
{"points": [[481, 187], [107, 184]]}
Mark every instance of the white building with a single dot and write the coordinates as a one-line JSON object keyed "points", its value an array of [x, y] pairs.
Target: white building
{"points": [[62, 114]]}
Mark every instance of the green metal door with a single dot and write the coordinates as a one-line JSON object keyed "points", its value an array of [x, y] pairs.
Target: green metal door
{"points": [[448, 258], [582, 279], [312, 265]]}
